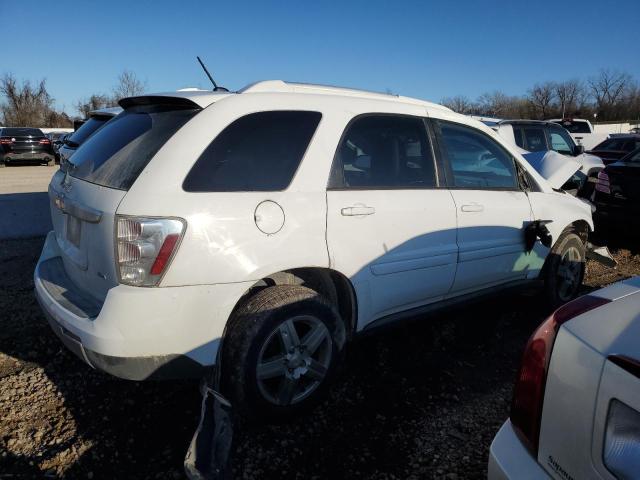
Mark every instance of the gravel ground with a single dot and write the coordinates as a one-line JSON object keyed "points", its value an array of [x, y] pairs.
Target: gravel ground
{"points": [[422, 400]]}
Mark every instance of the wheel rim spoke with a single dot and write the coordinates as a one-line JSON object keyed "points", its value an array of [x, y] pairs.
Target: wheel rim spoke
{"points": [[316, 370], [314, 338], [286, 391], [288, 335], [272, 368]]}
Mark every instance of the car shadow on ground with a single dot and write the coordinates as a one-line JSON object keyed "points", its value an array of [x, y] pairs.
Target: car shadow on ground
{"points": [[419, 399]]}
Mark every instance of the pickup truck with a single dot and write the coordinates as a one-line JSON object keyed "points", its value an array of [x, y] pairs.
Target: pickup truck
{"points": [[581, 131]]}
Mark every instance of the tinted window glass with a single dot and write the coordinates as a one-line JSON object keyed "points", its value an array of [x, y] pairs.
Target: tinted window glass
{"points": [[385, 151], [561, 141], [117, 153], [85, 131], [517, 133], [535, 139], [476, 160], [616, 144], [22, 132], [575, 127], [633, 157], [258, 152]]}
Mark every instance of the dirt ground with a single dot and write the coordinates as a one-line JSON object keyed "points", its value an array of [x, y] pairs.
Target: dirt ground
{"points": [[423, 400]]}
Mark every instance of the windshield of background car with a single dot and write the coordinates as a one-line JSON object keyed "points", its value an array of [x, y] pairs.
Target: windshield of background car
{"points": [[118, 152], [86, 130], [575, 127], [22, 132], [633, 156], [561, 141]]}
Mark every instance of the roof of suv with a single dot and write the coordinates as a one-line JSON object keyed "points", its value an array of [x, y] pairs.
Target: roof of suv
{"points": [[204, 98]]}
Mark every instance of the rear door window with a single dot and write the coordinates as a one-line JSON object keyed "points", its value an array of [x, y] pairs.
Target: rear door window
{"points": [[118, 152], [560, 140], [258, 152], [384, 151]]}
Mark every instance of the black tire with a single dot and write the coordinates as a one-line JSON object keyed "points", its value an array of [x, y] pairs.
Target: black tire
{"points": [[254, 328], [568, 254]]}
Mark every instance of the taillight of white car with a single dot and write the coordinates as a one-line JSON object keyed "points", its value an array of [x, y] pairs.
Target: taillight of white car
{"points": [[528, 396], [602, 183], [622, 441], [145, 247]]}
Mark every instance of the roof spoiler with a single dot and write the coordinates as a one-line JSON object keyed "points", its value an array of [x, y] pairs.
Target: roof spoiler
{"points": [[158, 100]]}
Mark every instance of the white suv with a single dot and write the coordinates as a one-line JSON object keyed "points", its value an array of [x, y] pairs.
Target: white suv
{"points": [[263, 229]]}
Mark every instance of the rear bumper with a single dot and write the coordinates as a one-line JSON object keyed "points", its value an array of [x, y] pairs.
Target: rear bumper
{"points": [[137, 333], [27, 157], [509, 458]]}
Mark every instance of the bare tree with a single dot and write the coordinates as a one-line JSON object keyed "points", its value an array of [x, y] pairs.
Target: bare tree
{"points": [[571, 95], [94, 102], [541, 97], [25, 104], [128, 86], [608, 88], [459, 103]]}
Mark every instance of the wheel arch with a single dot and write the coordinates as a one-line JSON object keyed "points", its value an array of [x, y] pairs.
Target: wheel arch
{"points": [[332, 284]]}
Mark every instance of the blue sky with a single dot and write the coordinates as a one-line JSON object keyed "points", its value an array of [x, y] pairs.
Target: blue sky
{"points": [[424, 49]]}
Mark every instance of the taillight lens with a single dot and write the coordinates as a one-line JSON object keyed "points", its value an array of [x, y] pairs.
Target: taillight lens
{"points": [[602, 183], [145, 247], [5, 141], [528, 394], [622, 441], [45, 141]]}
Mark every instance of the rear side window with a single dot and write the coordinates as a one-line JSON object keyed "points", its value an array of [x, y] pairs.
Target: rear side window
{"points": [[476, 160], [384, 151], [86, 130], [258, 152], [117, 153]]}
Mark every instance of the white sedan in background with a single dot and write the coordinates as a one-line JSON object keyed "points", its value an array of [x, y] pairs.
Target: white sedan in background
{"points": [[576, 406]]}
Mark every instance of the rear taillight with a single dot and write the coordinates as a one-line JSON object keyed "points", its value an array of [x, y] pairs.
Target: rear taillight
{"points": [[145, 247], [45, 141], [528, 394], [5, 141], [621, 453], [602, 183]]}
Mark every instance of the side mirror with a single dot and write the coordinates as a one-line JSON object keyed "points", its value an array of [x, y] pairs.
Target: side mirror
{"points": [[578, 150]]}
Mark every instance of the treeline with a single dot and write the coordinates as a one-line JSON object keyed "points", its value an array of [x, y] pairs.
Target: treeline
{"points": [[610, 96], [25, 104]]}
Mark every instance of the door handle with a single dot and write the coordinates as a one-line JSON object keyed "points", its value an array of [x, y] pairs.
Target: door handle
{"points": [[357, 210], [472, 207]]}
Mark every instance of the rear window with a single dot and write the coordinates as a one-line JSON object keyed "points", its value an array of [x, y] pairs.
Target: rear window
{"points": [[86, 130], [258, 152], [575, 127], [115, 155], [22, 132]]}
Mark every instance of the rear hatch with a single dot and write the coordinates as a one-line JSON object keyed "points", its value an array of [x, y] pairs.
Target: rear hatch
{"points": [[25, 140], [85, 198]]}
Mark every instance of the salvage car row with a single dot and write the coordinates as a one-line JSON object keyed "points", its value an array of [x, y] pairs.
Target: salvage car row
{"points": [[261, 231]]}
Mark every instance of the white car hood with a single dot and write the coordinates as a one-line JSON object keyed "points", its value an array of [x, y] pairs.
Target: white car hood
{"points": [[554, 167], [590, 161]]}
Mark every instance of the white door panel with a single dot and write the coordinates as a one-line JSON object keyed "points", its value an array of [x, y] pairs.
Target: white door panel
{"points": [[399, 253], [490, 238]]}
